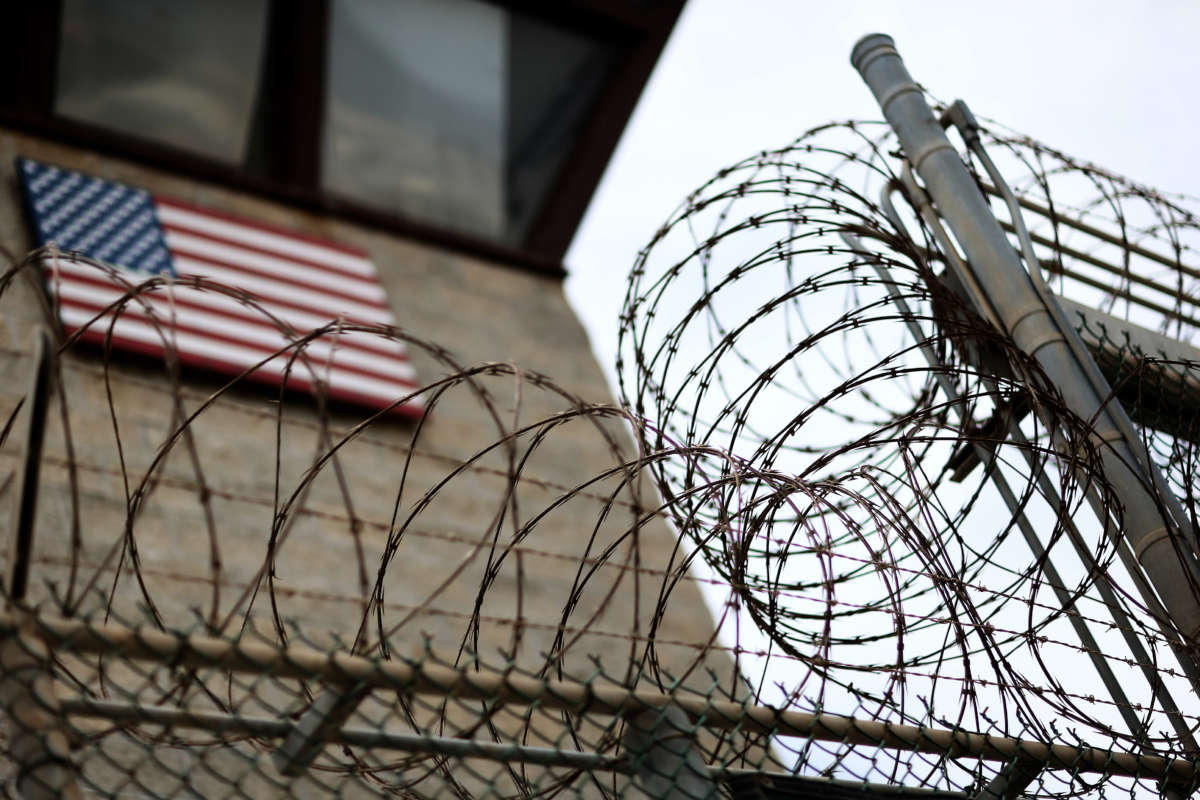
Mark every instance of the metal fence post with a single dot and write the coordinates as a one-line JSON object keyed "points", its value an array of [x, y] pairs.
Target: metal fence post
{"points": [[669, 765], [37, 743], [1158, 540]]}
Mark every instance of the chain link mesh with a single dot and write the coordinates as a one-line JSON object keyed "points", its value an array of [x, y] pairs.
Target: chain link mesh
{"points": [[142, 711], [914, 580]]}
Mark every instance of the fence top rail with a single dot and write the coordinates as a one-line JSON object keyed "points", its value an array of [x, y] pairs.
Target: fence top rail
{"points": [[179, 649]]}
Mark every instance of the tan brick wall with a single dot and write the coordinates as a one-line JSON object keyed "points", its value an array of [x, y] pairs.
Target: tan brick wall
{"points": [[479, 311]]}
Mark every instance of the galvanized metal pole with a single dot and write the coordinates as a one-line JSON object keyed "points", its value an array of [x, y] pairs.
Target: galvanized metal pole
{"points": [[37, 399], [1157, 538], [661, 744]]}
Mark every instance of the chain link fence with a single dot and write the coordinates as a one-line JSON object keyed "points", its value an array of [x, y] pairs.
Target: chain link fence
{"points": [[824, 550], [100, 708]]}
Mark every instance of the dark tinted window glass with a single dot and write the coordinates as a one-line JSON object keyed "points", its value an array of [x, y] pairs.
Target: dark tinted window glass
{"points": [[175, 71], [455, 112], [553, 77], [415, 113]]}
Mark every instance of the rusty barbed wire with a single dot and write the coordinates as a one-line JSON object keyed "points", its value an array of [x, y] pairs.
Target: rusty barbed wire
{"points": [[796, 313], [818, 436]]}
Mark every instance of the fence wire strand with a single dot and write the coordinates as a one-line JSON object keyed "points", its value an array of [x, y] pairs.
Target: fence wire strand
{"points": [[916, 579]]}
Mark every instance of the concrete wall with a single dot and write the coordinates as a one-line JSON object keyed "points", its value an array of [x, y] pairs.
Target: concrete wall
{"points": [[188, 539], [328, 563]]}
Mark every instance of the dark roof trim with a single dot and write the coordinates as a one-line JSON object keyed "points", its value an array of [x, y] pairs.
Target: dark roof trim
{"points": [[575, 185]]}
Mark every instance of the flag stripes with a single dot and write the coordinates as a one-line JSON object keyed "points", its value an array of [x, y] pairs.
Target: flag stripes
{"points": [[305, 283]]}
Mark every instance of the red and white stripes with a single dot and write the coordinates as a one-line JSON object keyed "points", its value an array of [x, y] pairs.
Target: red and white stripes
{"points": [[303, 282]]}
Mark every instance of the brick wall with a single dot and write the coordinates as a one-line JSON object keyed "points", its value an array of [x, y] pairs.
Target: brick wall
{"points": [[328, 563]]}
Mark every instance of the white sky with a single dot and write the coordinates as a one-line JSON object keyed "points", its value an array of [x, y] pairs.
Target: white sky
{"points": [[1113, 83], [1108, 82]]}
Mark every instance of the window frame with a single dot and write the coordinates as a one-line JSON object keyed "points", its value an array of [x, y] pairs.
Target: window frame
{"points": [[295, 62]]}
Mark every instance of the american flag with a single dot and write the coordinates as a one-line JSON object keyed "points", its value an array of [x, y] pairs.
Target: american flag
{"points": [[304, 281]]}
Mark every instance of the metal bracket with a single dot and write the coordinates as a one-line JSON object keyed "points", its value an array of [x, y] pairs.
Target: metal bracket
{"points": [[1012, 779], [958, 115], [327, 713]]}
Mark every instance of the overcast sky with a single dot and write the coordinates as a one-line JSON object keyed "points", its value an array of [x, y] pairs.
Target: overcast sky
{"points": [[1113, 83]]}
